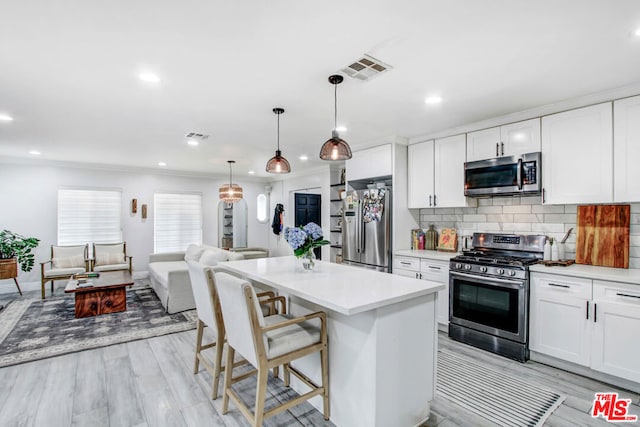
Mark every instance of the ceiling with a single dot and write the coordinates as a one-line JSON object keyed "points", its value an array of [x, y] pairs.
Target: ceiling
{"points": [[69, 73]]}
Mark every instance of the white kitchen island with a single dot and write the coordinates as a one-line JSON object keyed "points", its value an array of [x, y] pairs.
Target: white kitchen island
{"points": [[382, 337]]}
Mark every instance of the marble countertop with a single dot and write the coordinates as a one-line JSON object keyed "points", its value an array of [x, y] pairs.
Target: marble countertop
{"points": [[342, 288], [417, 253], [592, 272]]}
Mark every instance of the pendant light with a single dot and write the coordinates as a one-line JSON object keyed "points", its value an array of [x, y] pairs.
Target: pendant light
{"points": [[335, 148], [230, 193], [278, 164]]}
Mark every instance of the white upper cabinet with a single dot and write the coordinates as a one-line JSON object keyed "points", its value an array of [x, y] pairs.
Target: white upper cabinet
{"points": [[370, 163], [577, 156], [421, 176], [508, 140], [626, 113], [436, 173]]}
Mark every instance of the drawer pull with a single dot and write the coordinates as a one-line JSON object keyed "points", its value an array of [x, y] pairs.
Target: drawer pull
{"points": [[433, 268], [405, 263], [627, 295], [559, 286], [587, 310], [595, 313]]}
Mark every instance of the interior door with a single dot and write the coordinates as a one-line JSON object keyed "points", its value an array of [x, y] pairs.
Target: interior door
{"points": [[307, 209]]}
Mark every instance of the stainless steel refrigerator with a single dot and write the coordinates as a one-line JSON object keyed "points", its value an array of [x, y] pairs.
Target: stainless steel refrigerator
{"points": [[366, 229]]}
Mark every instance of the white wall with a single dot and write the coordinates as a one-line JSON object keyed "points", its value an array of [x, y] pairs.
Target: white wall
{"points": [[29, 207], [316, 181]]}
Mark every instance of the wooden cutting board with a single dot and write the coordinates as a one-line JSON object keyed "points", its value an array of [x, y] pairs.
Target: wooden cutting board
{"points": [[603, 235]]}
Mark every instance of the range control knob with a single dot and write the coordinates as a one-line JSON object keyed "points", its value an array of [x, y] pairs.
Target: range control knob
{"points": [[500, 271], [467, 267], [458, 266], [483, 269], [512, 273]]}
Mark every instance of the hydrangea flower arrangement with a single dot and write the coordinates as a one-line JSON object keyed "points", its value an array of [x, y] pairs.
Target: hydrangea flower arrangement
{"points": [[304, 238]]}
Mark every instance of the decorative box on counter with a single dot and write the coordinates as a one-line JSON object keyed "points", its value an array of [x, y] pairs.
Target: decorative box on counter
{"points": [[421, 239]]}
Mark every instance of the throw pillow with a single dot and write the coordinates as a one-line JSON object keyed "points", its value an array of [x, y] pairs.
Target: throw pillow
{"points": [[193, 253], [211, 257], [69, 262]]}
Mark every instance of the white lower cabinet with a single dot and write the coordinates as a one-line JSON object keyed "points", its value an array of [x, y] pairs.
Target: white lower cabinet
{"points": [[616, 329], [590, 323], [427, 269]]}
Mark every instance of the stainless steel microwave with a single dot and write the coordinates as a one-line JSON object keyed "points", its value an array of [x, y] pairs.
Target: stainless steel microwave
{"points": [[503, 176]]}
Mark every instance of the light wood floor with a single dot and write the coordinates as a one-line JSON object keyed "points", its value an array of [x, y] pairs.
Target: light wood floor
{"points": [[150, 383]]}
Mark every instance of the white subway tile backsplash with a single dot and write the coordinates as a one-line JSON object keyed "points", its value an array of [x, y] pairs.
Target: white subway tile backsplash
{"points": [[500, 218], [468, 225], [443, 211], [516, 209], [465, 210], [490, 209], [571, 209], [530, 200], [506, 201], [521, 227], [431, 218], [485, 202], [634, 251], [544, 228], [634, 262], [528, 217], [635, 207], [474, 218], [634, 240], [559, 218], [635, 219], [489, 226], [547, 209], [452, 218]]}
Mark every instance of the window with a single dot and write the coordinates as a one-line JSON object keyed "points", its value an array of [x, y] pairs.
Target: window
{"points": [[177, 221], [262, 214], [89, 216]]}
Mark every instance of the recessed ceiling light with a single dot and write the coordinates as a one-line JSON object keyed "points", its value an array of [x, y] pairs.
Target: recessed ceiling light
{"points": [[5, 118], [162, 164], [303, 158], [193, 143], [341, 129], [34, 152], [435, 99], [252, 172], [149, 78], [637, 32]]}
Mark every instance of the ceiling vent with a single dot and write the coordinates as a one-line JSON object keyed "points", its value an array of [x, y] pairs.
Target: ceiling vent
{"points": [[366, 68], [196, 135]]}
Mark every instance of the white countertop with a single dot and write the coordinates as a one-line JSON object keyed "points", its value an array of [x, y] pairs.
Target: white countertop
{"points": [[418, 253], [338, 287], [592, 272]]}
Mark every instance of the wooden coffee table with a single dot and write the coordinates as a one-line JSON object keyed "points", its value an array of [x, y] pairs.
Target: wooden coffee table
{"points": [[108, 293]]}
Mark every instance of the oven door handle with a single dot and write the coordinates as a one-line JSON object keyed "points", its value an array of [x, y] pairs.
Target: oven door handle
{"points": [[486, 280]]}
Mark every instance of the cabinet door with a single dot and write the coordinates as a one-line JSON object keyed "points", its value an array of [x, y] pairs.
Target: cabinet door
{"points": [[626, 150], [577, 156], [406, 273], [559, 324], [449, 158], [370, 163], [616, 330], [420, 170], [520, 138], [438, 271], [483, 144]]}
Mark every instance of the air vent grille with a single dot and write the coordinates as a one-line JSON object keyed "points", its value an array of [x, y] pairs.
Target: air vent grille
{"points": [[196, 135], [366, 68]]}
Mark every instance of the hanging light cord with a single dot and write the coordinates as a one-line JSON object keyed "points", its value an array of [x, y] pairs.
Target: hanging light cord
{"points": [[335, 107], [230, 175], [278, 132]]}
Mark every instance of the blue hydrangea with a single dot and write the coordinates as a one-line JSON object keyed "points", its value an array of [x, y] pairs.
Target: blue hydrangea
{"points": [[313, 230], [295, 237]]}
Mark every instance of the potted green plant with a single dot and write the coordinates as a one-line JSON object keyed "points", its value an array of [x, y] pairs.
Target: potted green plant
{"points": [[15, 249]]}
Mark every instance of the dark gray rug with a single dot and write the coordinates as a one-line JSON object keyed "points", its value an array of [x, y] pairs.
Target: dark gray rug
{"points": [[36, 329]]}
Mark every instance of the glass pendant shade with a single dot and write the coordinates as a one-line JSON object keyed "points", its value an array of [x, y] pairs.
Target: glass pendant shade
{"points": [[278, 164], [230, 193], [335, 148]]}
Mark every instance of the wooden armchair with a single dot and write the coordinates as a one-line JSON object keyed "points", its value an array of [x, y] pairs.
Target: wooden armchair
{"points": [[267, 342], [65, 262], [111, 257]]}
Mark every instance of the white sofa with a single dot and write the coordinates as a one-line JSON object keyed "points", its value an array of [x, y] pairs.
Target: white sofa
{"points": [[169, 274]]}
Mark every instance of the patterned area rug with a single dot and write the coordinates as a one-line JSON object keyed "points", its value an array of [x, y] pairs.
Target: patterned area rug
{"points": [[36, 329], [495, 396]]}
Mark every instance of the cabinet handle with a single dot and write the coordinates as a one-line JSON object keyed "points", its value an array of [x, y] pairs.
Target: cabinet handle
{"points": [[627, 295], [434, 200], [497, 148], [587, 310], [417, 275], [405, 263], [543, 198], [429, 199], [559, 286], [502, 148], [421, 275], [438, 268], [595, 313]]}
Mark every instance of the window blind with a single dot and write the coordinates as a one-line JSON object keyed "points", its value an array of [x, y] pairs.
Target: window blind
{"points": [[177, 221], [89, 216]]}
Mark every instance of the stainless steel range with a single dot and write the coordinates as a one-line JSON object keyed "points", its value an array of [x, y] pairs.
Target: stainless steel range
{"points": [[489, 293]]}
